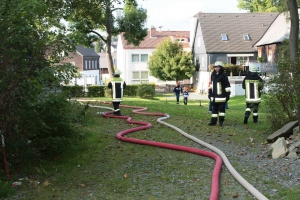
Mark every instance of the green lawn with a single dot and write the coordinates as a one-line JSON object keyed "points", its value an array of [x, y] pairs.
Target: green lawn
{"points": [[105, 168]]}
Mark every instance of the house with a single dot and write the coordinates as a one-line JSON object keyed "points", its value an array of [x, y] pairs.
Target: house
{"points": [[132, 60], [226, 37], [273, 37], [87, 62]]}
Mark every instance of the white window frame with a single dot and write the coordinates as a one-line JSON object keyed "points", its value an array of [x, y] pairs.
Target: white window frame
{"points": [[139, 79], [144, 56], [246, 37], [133, 57], [242, 60], [224, 37]]}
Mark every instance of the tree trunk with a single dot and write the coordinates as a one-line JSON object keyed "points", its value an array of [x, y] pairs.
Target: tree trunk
{"points": [[293, 8], [109, 59]]}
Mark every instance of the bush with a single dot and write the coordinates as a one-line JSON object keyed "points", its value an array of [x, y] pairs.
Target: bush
{"points": [[131, 90], [146, 91], [75, 91], [96, 91], [283, 97]]}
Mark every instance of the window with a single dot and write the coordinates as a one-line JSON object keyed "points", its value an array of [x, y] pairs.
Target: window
{"points": [[144, 57], [96, 64], [93, 64], [246, 37], [140, 77], [86, 65], [224, 37], [135, 58], [242, 60]]}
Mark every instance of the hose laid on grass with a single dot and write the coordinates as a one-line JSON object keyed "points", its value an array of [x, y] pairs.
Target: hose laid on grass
{"points": [[214, 193], [217, 169], [235, 174]]}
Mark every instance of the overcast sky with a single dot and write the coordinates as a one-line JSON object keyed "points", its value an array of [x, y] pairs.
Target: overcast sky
{"points": [[175, 15]]}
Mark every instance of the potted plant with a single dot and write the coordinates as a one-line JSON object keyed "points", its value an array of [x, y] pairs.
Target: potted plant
{"points": [[260, 59]]}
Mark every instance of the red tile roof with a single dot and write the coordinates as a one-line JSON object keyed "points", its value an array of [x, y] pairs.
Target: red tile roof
{"points": [[154, 37]]}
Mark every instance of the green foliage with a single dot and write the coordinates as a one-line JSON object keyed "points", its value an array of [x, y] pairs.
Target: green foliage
{"points": [[6, 190], [96, 91], [31, 105], [284, 94], [131, 90], [262, 5], [92, 21], [132, 23], [169, 62], [146, 91], [75, 91], [54, 130]]}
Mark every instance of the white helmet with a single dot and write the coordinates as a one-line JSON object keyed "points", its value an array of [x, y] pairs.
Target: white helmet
{"points": [[218, 63], [253, 67], [117, 72]]}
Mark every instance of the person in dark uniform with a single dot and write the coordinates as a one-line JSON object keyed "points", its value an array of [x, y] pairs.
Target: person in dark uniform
{"points": [[253, 84], [219, 94], [177, 90], [117, 85]]}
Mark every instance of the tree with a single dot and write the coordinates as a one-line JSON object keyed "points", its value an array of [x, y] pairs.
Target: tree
{"points": [[30, 72], [169, 62], [294, 17], [92, 20]]}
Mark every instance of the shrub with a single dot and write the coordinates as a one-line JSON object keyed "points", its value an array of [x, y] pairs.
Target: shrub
{"points": [[283, 97], [146, 91], [96, 91]]}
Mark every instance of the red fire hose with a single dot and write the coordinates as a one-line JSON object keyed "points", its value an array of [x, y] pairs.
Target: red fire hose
{"points": [[214, 194]]}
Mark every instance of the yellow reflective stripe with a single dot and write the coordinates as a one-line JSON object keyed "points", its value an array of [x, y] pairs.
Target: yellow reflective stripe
{"points": [[214, 115], [248, 109], [227, 89], [219, 88], [255, 114]]}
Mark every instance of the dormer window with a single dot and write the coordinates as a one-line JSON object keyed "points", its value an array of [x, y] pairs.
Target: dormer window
{"points": [[224, 37], [246, 37]]}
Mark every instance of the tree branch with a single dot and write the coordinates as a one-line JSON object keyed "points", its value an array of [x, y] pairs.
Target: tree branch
{"points": [[102, 38]]}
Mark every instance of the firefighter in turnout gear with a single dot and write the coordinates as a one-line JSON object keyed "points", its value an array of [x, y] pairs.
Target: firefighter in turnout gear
{"points": [[219, 94], [253, 84], [117, 85]]}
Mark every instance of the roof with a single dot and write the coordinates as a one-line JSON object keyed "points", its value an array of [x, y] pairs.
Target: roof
{"points": [[86, 51], [154, 37], [277, 32], [234, 25]]}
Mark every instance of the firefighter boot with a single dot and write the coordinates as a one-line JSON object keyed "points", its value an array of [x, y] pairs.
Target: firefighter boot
{"points": [[213, 121], [255, 119]]}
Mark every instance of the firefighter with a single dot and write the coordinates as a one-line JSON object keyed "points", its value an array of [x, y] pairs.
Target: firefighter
{"points": [[252, 84], [219, 94], [117, 85]]}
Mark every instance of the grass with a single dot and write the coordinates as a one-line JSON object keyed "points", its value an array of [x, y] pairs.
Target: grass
{"points": [[103, 167]]}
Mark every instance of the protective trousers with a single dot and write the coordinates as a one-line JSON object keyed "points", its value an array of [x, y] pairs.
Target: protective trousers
{"points": [[218, 110], [117, 108], [249, 107]]}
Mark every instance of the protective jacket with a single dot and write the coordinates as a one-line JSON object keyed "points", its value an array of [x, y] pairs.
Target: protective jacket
{"points": [[219, 91], [253, 84], [117, 85]]}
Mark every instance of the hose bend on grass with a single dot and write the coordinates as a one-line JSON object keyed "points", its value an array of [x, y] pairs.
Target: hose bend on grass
{"points": [[230, 168], [214, 193], [218, 158]]}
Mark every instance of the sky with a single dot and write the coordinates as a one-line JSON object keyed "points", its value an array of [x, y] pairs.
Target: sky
{"points": [[174, 15]]}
